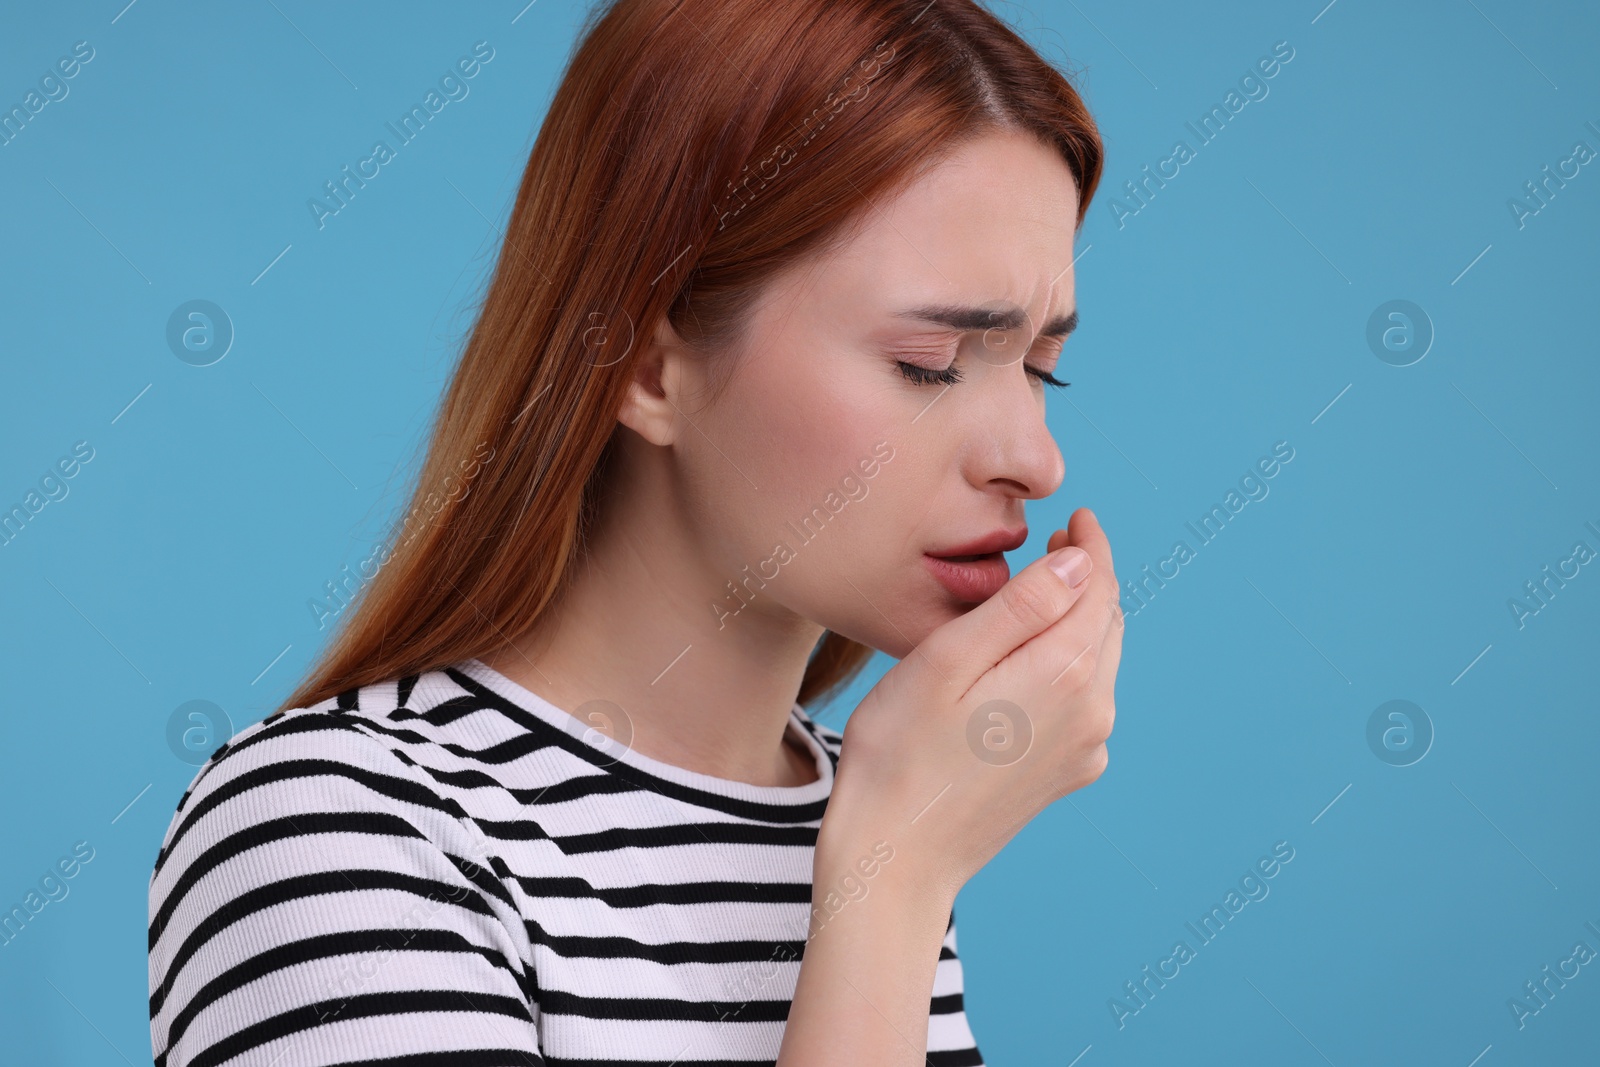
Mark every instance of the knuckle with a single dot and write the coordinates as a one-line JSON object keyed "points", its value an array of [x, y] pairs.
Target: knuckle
{"points": [[1110, 613], [1086, 768], [867, 735], [1030, 603], [1105, 723]]}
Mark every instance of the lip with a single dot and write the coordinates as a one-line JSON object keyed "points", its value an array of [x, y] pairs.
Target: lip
{"points": [[979, 576], [995, 541], [972, 582]]}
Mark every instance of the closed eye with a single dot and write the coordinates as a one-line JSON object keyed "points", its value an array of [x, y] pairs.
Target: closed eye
{"points": [[950, 375], [1047, 378], [927, 375]]}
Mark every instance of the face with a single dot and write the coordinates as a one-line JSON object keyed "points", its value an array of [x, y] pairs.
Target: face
{"points": [[888, 408]]}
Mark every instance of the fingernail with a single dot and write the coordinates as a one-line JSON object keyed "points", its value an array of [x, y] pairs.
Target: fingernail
{"points": [[1071, 563]]}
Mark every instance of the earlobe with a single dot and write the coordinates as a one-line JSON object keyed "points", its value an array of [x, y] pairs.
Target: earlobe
{"points": [[650, 406]]}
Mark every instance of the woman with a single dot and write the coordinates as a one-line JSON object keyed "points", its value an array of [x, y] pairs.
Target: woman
{"points": [[757, 387]]}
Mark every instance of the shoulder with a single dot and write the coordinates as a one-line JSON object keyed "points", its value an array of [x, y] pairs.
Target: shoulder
{"points": [[291, 754], [306, 802], [358, 763], [308, 842]]}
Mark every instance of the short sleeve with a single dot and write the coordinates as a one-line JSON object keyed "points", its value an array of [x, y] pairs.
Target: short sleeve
{"points": [[317, 902]]}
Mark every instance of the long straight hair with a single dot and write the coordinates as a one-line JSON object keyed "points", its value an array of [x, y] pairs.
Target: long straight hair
{"points": [[693, 149]]}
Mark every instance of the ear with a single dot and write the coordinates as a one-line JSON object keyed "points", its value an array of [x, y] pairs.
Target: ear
{"points": [[655, 392]]}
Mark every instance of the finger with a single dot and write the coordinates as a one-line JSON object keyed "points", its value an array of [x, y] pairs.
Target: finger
{"points": [[1116, 625], [1085, 531], [1037, 597], [1074, 643], [1110, 657]]}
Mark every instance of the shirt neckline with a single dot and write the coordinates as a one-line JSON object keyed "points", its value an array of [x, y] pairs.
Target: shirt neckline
{"points": [[781, 795]]}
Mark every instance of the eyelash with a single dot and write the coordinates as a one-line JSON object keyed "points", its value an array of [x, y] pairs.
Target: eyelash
{"points": [[949, 376]]}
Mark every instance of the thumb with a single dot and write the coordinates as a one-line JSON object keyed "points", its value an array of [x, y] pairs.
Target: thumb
{"points": [[1036, 597]]}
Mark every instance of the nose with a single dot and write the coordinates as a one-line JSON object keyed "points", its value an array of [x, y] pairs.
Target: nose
{"points": [[1012, 446]]}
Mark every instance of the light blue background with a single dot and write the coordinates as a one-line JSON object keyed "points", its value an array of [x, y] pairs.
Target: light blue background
{"points": [[1227, 315]]}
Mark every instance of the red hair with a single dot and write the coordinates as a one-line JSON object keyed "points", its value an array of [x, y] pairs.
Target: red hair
{"points": [[693, 149]]}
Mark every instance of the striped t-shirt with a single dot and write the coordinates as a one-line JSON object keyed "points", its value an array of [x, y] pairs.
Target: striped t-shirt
{"points": [[443, 870]]}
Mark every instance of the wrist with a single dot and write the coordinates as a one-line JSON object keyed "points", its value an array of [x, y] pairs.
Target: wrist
{"points": [[860, 856]]}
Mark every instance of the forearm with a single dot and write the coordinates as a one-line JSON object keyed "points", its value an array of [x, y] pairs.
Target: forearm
{"points": [[866, 978]]}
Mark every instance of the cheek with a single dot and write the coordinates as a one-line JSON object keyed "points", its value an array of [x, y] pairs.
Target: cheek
{"points": [[801, 428], [791, 436], [799, 440]]}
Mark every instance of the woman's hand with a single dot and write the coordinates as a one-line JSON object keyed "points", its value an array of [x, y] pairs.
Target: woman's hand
{"points": [[991, 718]]}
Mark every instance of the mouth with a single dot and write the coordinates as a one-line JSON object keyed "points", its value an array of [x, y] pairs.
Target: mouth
{"points": [[970, 558], [970, 578], [975, 569]]}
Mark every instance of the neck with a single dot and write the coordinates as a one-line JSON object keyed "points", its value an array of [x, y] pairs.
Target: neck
{"points": [[636, 626]]}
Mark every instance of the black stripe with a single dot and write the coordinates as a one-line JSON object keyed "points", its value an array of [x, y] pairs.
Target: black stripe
{"points": [[645, 894], [400, 789], [559, 792], [403, 688], [274, 725], [357, 822], [960, 1057], [689, 833], [492, 882], [755, 810], [472, 1057], [570, 789], [663, 1009], [671, 1009], [949, 1004], [365, 1006], [815, 731], [307, 885], [513, 748], [349, 700], [354, 942], [441, 714], [583, 946]]}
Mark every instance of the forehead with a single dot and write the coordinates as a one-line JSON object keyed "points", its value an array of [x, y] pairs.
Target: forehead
{"points": [[993, 223]]}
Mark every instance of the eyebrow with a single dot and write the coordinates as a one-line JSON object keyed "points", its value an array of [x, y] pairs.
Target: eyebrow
{"points": [[958, 317]]}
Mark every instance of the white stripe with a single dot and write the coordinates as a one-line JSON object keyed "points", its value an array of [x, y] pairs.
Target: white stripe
{"points": [[581, 1038]]}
